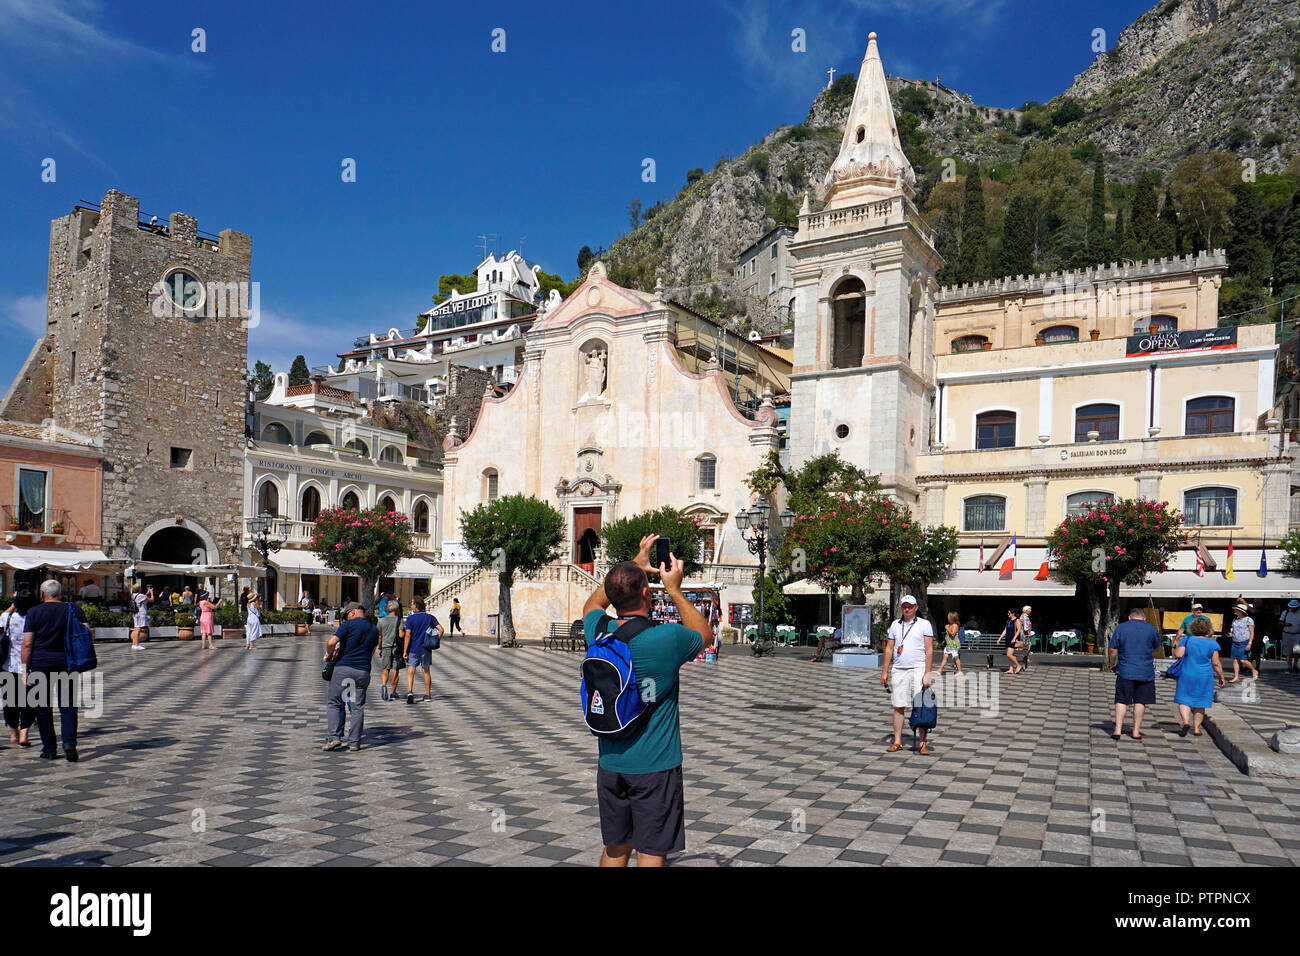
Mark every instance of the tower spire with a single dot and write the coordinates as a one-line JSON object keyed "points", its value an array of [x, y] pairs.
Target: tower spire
{"points": [[871, 163]]}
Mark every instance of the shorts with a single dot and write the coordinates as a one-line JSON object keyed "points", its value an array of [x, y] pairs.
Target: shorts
{"points": [[1129, 691], [1239, 651], [419, 659], [905, 684], [647, 810], [950, 652], [1290, 644], [390, 657]]}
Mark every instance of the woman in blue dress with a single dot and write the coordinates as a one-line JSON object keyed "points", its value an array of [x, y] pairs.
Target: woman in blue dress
{"points": [[1199, 672]]}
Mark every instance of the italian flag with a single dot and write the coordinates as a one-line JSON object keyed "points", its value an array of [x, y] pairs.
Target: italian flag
{"points": [[1008, 562]]}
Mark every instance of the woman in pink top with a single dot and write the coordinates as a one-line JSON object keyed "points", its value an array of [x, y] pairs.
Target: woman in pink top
{"points": [[206, 622]]}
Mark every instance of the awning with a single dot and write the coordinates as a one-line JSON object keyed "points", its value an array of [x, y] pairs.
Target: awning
{"points": [[306, 562], [25, 559], [808, 586], [198, 570], [1164, 584]]}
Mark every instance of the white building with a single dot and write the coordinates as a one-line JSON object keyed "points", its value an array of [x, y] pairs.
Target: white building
{"points": [[308, 451]]}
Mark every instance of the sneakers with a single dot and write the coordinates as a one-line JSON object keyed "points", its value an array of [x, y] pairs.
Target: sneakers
{"points": [[354, 748], [410, 698], [383, 692], [333, 743], [425, 697]]}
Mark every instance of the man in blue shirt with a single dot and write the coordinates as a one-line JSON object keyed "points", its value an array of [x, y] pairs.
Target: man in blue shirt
{"points": [[355, 641], [1132, 656], [639, 778], [413, 632]]}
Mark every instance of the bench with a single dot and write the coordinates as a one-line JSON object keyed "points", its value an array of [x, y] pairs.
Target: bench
{"points": [[562, 637], [988, 644]]}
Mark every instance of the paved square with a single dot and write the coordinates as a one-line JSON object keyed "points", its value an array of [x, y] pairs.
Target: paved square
{"points": [[215, 758]]}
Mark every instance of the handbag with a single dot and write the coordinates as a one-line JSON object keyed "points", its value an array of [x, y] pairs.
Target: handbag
{"points": [[1174, 669], [79, 645], [327, 671], [431, 640], [925, 710]]}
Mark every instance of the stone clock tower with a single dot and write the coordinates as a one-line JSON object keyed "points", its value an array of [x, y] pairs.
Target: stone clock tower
{"points": [[145, 351], [864, 267]]}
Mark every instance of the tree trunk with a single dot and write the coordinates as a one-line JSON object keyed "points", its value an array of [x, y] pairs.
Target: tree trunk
{"points": [[505, 617], [1095, 606], [368, 587], [1111, 622]]}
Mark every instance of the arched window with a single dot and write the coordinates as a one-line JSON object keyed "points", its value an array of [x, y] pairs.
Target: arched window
{"points": [[1163, 323], [350, 502], [969, 343], [849, 321], [420, 523], [490, 484], [358, 445], [1081, 502], [995, 429], [277, 434], [387, 503], [318, 438], [985, 513], [1061, 333], [1209, 507], [708, 472], [1100, 417], [1211, 415], [268, 499], [390, 453], [309, 509]]}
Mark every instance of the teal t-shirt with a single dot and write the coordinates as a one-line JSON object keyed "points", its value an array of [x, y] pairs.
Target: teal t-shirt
{"points": [[657, 654], [1187, 623]]}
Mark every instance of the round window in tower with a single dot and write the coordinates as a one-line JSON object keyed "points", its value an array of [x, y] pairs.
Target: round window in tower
{"points": [[841, 431], [184, 290]]}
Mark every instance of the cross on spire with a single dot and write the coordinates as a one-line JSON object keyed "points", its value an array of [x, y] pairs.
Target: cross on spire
{"points": [[831, 76]]}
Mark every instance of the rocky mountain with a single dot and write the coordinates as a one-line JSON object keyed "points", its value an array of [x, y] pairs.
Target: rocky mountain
{"points": [[1187, 76]]}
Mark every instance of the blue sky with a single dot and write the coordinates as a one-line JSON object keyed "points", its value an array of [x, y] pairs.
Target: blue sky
{"points": [[451, 140]]}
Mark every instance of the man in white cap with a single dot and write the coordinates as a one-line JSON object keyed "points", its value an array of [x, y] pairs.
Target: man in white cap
{"points": [[1291, 635], [909, 653], [1183, 629]]}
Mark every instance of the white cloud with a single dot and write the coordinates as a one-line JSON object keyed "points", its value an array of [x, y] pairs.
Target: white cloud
{"points": [[26, 312], [53, 27]]}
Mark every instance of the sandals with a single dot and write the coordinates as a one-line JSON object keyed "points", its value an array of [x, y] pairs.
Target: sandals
{"points": [[1114, 736], [1182, 731], [924, 750], [893, 748]]}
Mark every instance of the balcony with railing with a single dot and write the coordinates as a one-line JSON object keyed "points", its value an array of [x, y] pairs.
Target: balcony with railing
{"points": [[301, 533], [25, 526]]}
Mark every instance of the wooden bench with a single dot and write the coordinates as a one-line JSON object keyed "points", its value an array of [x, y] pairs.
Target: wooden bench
{"points": [[561, 637]]}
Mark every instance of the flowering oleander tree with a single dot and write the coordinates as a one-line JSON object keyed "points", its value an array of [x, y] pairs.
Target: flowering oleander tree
{"points": [[1112, 544], [622, 538], [856, 542], [512, 535], [365, 543]]}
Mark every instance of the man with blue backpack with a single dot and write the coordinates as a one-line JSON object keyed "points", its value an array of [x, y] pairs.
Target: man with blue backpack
{"points": [[423, 635], [629, 698]]}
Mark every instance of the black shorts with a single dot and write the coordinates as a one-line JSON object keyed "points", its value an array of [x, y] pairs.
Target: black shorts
{"points": [[1129, 691], [644, 809]]}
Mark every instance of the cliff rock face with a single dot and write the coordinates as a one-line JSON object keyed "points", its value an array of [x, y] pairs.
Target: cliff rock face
{"points": [[1149, 38]]}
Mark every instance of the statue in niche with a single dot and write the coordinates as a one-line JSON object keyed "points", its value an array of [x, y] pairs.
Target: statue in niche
{"points": [[595, 363]]}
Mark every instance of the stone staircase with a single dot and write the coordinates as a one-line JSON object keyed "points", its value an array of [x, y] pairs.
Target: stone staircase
{"points": [[555, 594]]}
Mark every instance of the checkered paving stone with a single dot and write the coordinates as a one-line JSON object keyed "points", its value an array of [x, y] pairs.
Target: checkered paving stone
{"points": [[215, 759], [1268, 705]]}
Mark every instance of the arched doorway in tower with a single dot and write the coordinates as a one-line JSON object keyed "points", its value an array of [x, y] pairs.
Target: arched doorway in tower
{"points": [[175, 545]]}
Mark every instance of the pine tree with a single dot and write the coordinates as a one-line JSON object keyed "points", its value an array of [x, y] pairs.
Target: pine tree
{"points": [[1169, 239], [1144, 224], [1098, 244], [1120, 234], [298, 373], [1286, 257], [973, 258], [1017, 239], [261, 381], [1247, 254]]}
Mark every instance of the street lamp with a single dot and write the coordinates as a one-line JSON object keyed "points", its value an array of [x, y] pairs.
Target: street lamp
{"points": [[267, 533], [755, 522]]}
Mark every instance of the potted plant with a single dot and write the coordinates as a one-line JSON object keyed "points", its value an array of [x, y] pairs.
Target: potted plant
{"points": [[58, 528], [1039, 340], [987, 346], [185, 626], [1090, 643], [226, 617], [1094, 334], [13, 525], [1153, 328], [301, 622]]}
